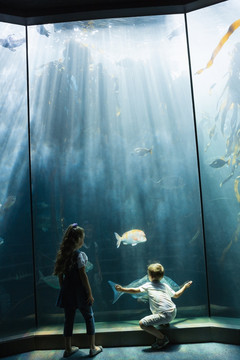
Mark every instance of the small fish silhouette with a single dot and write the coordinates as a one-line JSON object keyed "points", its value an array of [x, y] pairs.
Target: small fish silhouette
{"points": [[42, 30], [142, 151], [218, 163], [10, 201]]}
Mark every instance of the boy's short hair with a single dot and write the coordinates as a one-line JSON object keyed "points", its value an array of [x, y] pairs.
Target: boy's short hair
{"points": [[156, 271]]}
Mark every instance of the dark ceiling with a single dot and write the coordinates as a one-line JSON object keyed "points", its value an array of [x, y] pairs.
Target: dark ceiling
{"points": [[30, 12]]}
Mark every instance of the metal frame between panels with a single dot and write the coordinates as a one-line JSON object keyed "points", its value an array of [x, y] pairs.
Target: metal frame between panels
{"points": [[198, 162], [30, 182]]}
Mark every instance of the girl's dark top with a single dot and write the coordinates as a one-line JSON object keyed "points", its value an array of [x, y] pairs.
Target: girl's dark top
{"points": [[72, 293]]}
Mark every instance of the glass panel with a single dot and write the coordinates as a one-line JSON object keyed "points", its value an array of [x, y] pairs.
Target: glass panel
{"points": [[16, 268], [214, 44], [113, 148]]}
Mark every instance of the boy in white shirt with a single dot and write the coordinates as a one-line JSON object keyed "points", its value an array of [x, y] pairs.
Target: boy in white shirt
{"points": [[161, 305]]}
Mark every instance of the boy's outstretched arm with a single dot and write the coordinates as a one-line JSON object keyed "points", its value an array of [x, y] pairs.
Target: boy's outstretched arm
{"points": [[127, 290], [181, 291]]}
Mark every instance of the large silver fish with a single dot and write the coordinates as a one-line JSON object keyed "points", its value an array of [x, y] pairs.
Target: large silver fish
{"points": [[136, 283], [52, 280]]}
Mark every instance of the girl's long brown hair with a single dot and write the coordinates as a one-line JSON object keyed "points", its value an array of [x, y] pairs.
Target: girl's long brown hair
{"points": [[65, 259]]}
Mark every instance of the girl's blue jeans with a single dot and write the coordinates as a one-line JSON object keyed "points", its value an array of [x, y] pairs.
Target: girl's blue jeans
{"points": [[87, 313]]}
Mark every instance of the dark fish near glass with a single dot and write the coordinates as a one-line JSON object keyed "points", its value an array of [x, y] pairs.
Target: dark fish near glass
{"points": [[218, 163]]}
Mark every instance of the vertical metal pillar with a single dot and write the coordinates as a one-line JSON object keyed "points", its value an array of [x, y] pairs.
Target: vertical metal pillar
{"points": [[198, 163], [30, 182]]}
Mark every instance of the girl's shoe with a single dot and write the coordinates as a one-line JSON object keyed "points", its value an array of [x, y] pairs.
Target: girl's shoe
{"points": [[66, 353], [94, 352], [159, 344]]}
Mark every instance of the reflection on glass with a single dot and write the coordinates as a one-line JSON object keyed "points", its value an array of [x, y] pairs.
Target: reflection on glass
{"points": [[215, 49], [16, 269]]}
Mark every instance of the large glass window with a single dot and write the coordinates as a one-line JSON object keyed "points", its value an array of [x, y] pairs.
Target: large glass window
{"points": [[215, 48], [112, 143], [16, 268], [113, 148]]}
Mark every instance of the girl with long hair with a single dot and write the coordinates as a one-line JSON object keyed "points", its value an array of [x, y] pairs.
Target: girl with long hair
{"points": [[75, 290]]}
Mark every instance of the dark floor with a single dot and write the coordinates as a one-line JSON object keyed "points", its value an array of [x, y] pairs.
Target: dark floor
{"points": [[202, 351]]}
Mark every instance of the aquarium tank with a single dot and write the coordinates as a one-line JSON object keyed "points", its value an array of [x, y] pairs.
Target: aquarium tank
{"points": [[119, 125]]}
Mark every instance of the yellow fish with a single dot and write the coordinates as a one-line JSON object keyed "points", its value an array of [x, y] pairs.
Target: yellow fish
{"points": [[132, 237]]}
